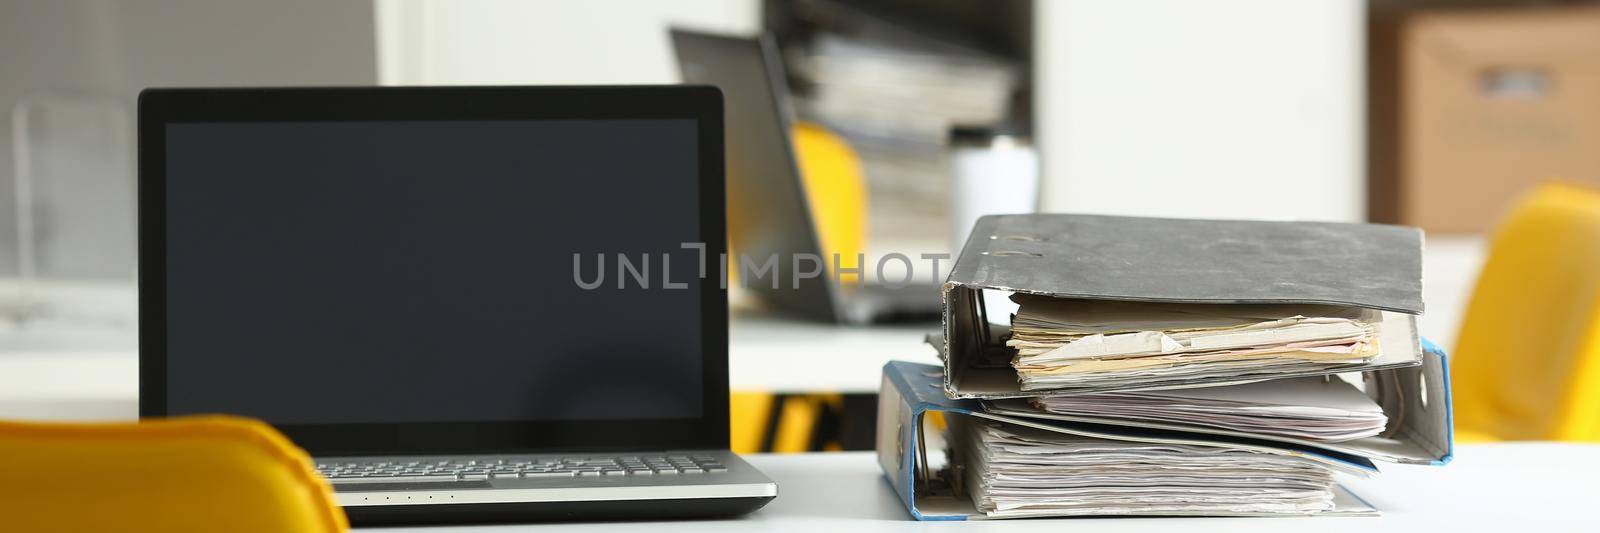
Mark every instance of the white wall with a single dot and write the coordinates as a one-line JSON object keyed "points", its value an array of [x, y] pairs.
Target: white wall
{"points": [[104, 52], [1219, 108], [543, 41]]}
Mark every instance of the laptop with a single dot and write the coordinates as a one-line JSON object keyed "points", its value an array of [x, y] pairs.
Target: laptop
{"points": [[404, 282], [762, 172]]}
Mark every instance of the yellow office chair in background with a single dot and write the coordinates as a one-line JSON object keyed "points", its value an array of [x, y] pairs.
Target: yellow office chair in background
{"points": [[180, 475], [836, 189], [1527, 362]]}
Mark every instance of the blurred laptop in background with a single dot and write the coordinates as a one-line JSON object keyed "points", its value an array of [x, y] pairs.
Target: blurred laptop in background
{"points": [[770, 215]]}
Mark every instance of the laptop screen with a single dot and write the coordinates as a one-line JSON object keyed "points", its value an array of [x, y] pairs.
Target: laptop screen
{"points": [[433, 271]]}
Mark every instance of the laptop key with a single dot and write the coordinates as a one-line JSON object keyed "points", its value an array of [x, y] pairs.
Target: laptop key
{"points": [[549, 475], [370, 479]]}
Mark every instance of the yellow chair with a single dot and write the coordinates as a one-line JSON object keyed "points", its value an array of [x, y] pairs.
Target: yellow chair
{"points": [[782, 423], [188, 474], [1527, 362], [836, 189]]}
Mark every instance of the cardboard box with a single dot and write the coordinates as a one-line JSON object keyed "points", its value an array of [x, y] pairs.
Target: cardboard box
{"points": [[1486, 103]]}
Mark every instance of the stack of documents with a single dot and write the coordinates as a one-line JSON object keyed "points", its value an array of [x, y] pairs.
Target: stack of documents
{"points": [[1160, 367], [1064, 343], [1314, 409], [1017, 471]]}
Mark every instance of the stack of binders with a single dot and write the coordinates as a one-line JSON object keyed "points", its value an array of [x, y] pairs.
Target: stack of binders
{"points": [[1167, 367]]}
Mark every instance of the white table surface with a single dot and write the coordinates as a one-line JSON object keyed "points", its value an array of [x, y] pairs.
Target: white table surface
{"points": [[786, 355], [1489, 487]]}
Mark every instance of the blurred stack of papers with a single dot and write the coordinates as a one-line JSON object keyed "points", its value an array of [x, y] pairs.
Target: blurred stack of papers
{"points": [[1313, 409], [1017, 471], [1070, 343], [895, 99], [900, 91]]}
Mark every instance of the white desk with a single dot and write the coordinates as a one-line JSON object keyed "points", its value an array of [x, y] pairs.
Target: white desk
{"points": [[1501, 487], [69, 385], [786, 355]]}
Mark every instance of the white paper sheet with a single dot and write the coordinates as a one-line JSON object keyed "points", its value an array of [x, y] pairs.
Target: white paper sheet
{"points": [[1014, 471], [1065, 343], [1317, 409]]}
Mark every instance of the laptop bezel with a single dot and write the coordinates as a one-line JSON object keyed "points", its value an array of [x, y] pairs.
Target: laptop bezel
{"points": [[160, 107]]}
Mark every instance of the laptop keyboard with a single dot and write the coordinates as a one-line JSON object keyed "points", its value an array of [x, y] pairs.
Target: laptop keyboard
{"points": [[521, 468]]}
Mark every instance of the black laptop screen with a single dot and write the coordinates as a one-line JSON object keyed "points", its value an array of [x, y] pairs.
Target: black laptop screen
{"points": [[424, 271]]}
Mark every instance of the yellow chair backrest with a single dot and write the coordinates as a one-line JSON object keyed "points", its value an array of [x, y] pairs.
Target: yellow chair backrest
{"points": [[187, 474], [1527, 362], [836, 188]]}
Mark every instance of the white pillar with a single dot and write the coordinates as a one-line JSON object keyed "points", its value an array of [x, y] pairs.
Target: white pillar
{"points": [[1213, 109]]}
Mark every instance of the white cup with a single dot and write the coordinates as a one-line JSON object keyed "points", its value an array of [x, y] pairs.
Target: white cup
{"points": [[994, 174]]}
